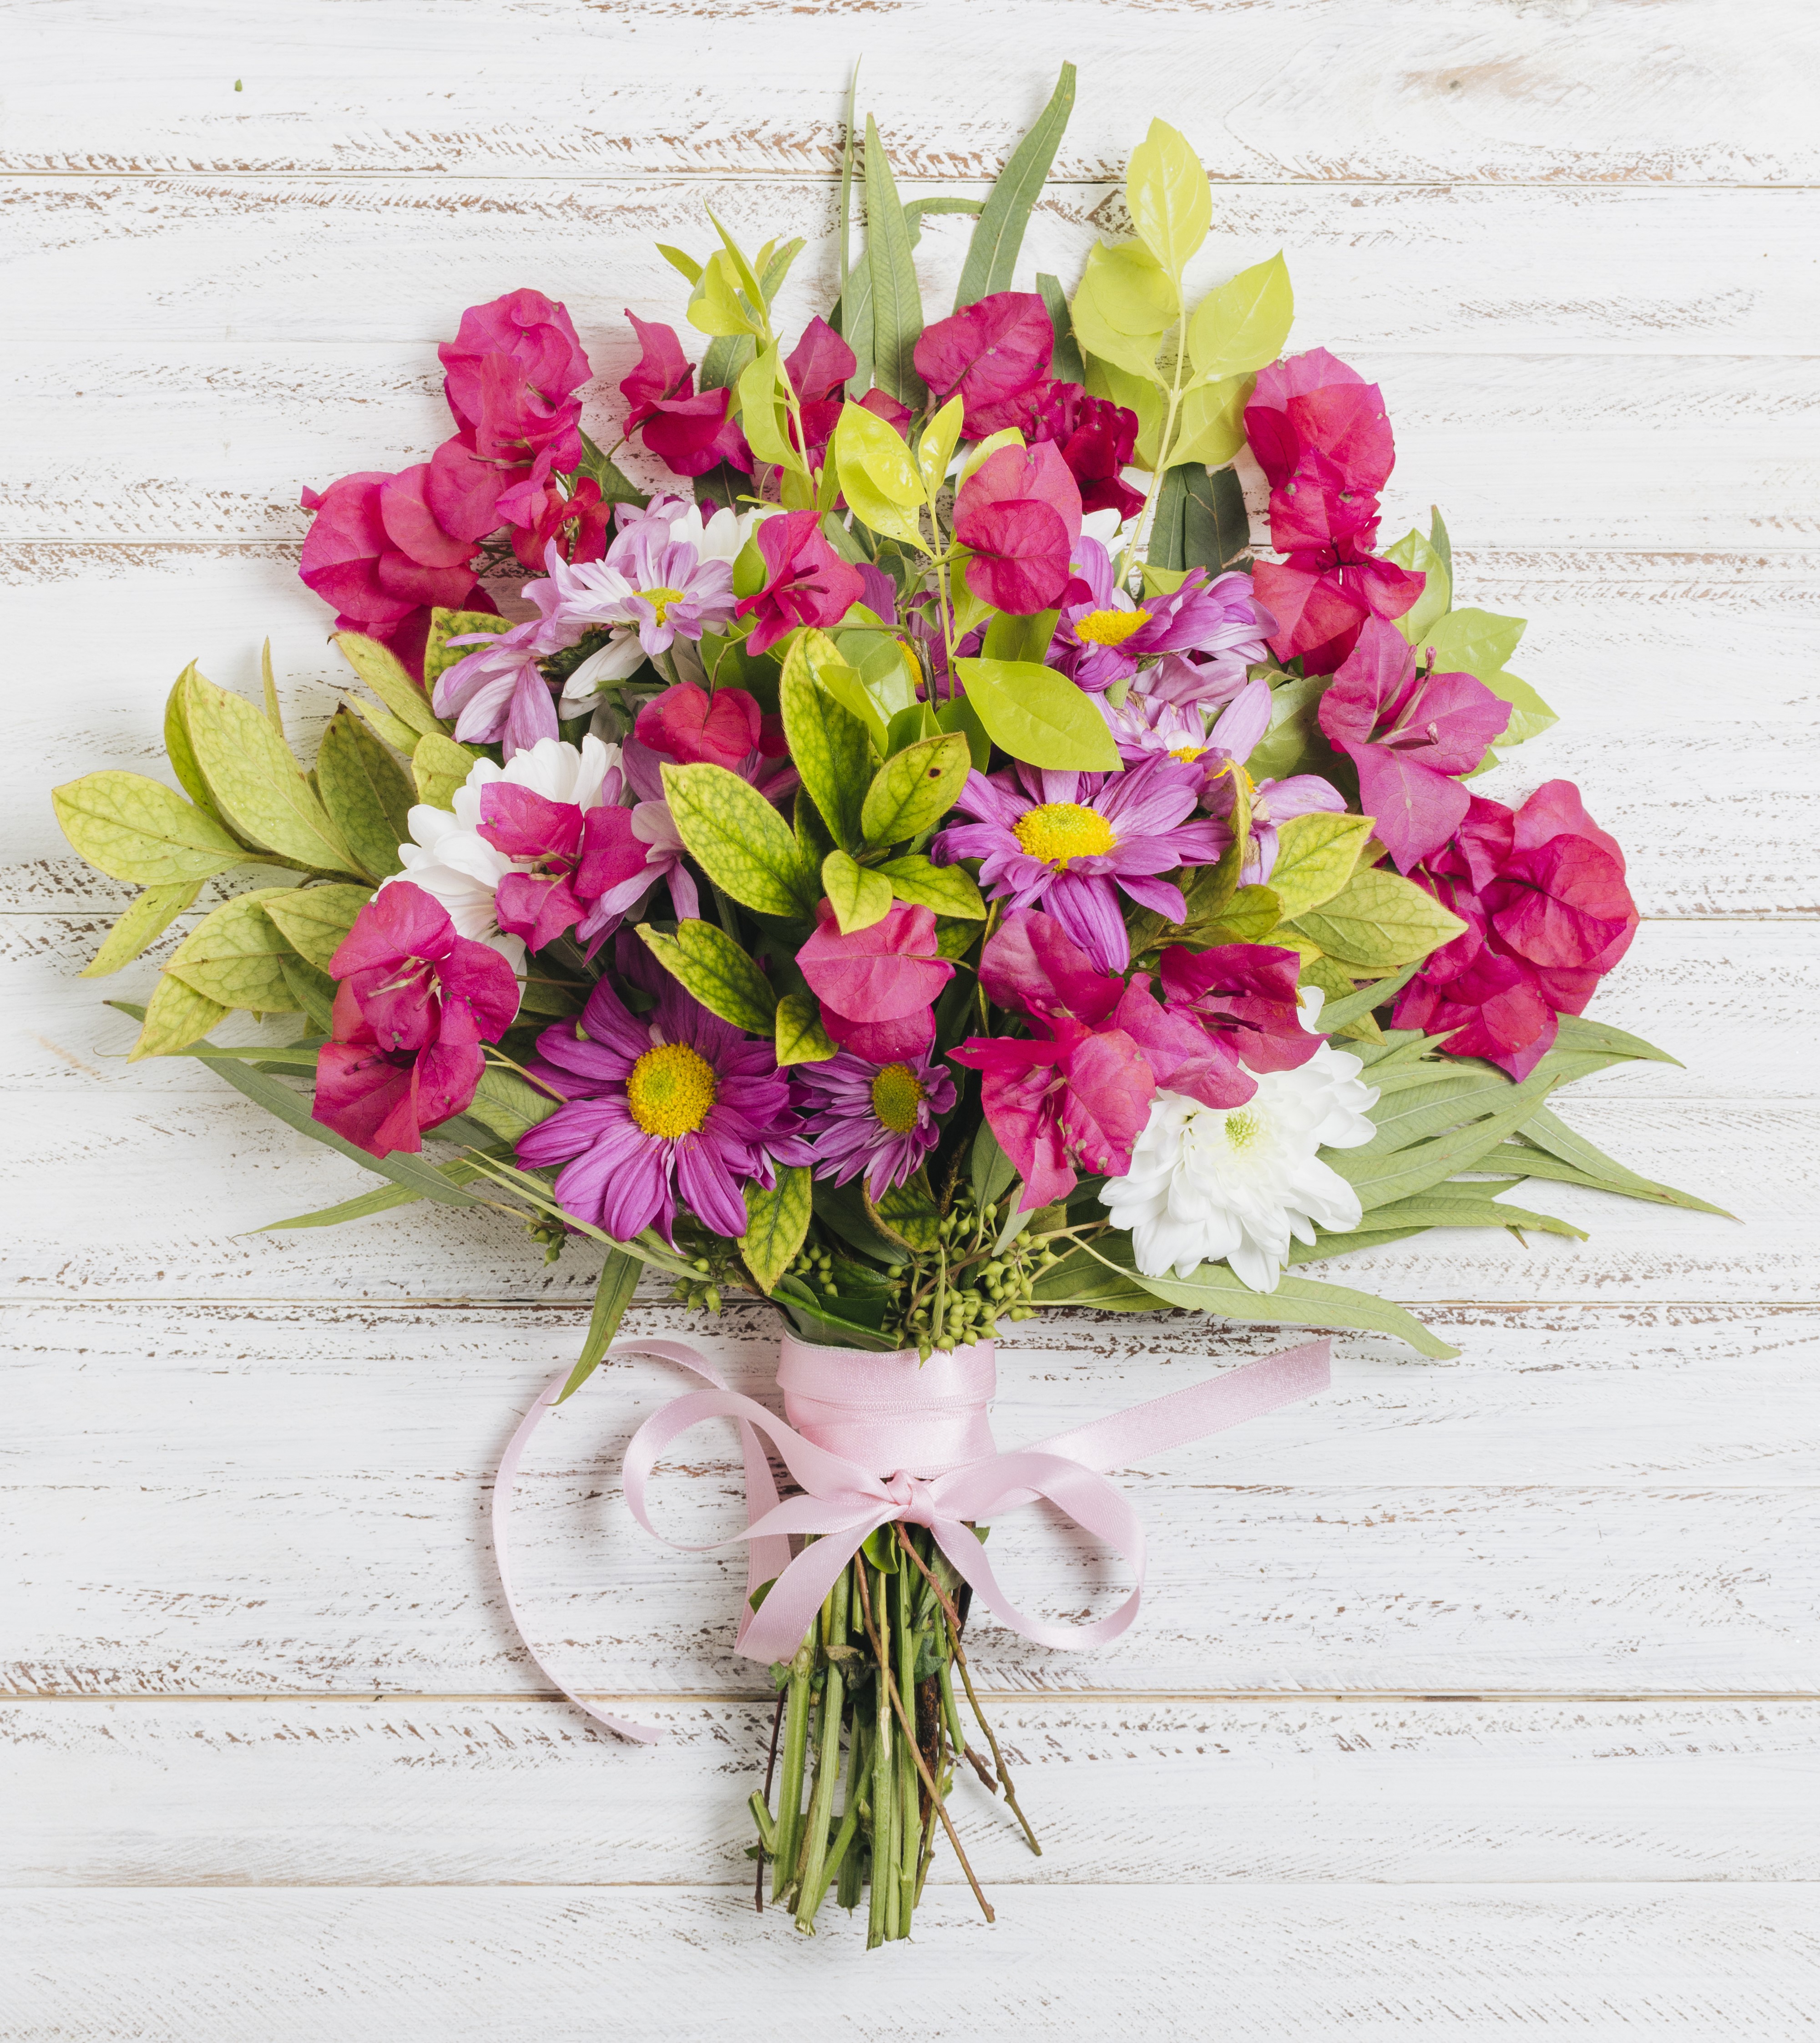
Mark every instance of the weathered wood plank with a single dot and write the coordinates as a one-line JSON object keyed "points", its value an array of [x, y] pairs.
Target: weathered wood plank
{"points": [[1378, 89], [295, 1502], [1281, 1963], [215, 1793]]}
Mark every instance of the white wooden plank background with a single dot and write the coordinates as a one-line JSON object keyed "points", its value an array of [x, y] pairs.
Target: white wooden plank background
{"points": [[1475, 1697]]}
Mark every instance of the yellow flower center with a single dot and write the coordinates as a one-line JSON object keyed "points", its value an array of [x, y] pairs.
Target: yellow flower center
{"points": [[1057, 831], [897, 1094], [670, 1091], [1110, 627], [660, 599], [1188, 753], [1246, 783]]}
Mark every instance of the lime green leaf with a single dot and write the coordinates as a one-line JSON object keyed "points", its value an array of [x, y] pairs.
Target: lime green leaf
{"points": [[743, 844], [776, 1224], [681, 261], [992, 253], [1210, 428], [1038, 716], [232, 956], [507, 1104], [981, 451], [1243, 325], [914, 790], [1124, 306], [958, 714], [142, 923], [1250, 916], [1315, 855], [715, 306], [1167, 195], [935, 449], [761, 416], [131, 828], [313, 920], [1338, 1013], [859, 897], [367, 794], [1026, 638], [897, 303], [1530, 715], [1139, 394], [384, 725], [827, 741], [619, 1274], [181, 753], [440, 767], [176, 1016], [800, 1037], [869, 447], [383, 673], [1414, 551], [439, 657], [949, 890], [708, 961], [1472, 642], [1379, 921], [257, 784]]}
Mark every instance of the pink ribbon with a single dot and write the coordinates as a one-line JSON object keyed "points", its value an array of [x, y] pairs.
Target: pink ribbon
{"points": [[891, 1414]]}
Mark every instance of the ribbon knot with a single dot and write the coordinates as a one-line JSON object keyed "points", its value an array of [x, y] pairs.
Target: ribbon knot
{"points": [[842, 1501]]}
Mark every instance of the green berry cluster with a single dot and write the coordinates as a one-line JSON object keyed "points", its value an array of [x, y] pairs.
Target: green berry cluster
{"points": [[961, 1298], [700, 1292], [552, 1231]]}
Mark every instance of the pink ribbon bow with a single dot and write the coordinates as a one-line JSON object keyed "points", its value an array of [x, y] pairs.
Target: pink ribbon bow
{"points": [[843, 1501]]}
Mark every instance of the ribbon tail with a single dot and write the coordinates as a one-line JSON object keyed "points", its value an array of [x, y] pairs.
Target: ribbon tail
{"points": [[959, 1544], [777, 1627]]}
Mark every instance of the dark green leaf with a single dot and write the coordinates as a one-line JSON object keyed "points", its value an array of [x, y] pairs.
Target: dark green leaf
{"points": [[897, 303], [990, 1172], [1065, 364], [368, 794], [992, 253], [619, 1280], [1215, 527], [777, 1223]]}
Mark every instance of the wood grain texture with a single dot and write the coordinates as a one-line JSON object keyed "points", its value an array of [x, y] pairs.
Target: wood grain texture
{"points": [[1385, 89], [475, 1792], [1281, 1963]]}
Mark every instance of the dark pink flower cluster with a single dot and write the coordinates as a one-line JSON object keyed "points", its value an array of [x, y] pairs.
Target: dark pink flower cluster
{"points": [[415, 1002], [1321, 435], [877, 985], [386, 550], [1548, 913]]}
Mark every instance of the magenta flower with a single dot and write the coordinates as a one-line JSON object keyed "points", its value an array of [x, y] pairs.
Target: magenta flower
{"points": [[582, 862], [1096, 438], [877, 985], [990, 354], [687, 726], [1020, 511], [689, 434], [807, 582], [878, 1119], [512, 371], [1072, 841], [1076, 1092], [1548, 913], [415, 1003], [1103, 633], [1410, 734], [1239, 729], [672, 1102], [1244, 996], [1313, 402]]}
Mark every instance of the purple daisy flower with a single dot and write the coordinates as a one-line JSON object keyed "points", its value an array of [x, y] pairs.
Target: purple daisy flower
{"points": [[878, 1119], [673, 1102], [1101, 638], [1072, 841]]}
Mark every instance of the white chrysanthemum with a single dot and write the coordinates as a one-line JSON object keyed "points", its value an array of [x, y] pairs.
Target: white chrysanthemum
{"points": [[1238, 1183], [448, 858]]}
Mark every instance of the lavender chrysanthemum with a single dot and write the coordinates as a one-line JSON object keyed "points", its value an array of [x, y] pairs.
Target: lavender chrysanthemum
{"points": [[878, 1119], [672, 1103]]}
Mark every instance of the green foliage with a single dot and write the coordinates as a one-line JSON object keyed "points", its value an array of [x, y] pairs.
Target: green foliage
{"points": [[711, 966], [1242, 326], [1124, 306], [1200, 520], [827, 743], [897, 303], [131, 828], [992, 253], [440, 767], [1210, 427], [776, 1224], [1316, 856], [878, 476], [1414, 551], [141, 924], [800, 1038], [990, 1172], [619, 1280], [509, 1104], [949, 890], [1166, 193], [230, 959], [181, 753], [742, 842], [1038, 715], [383, 673], [313, 920], [1065, 364], [1379, 922], [912, 791], [367, 794], [859, 897]]}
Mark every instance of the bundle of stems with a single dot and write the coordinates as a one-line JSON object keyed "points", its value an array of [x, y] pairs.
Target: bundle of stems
{"points": [[867, 1716]]}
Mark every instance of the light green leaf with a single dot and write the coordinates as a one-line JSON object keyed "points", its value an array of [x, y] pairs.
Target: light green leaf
{"points": [[914, 790], [384, 725], [1243, 325], [507, 1104], [1379, 921], [949, 890], [256, 783], [708, 961], [230, 958], [1381, 1176], [909, 1214], [439, 656], [1316, 856], [1530, 715], [1025, 638], [440, 767], [176, 1016], [1428, 1210], [714, 306], [1210, 428], [131, 828], [1038, 716], [1472, 642], [1338, 1013], [992, 253], [313, 920], [312, 992], [827, 741], [897, 303], [800, 1038], [743, 844], [1250, 916], [1578, 1031], [762, 415], [1604, 1176], [858, 897], [776, 1224], [181, 753], [619, 1274], [935, 449], [1414, 551], [142, 923], [1138, 394], [679, 260], [367, 794], [869, 447], [380, 668], [1166, 194], [1123, 307]]}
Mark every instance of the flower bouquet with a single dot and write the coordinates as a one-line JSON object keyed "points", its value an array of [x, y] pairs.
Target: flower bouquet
{"points": [[917, 866]]}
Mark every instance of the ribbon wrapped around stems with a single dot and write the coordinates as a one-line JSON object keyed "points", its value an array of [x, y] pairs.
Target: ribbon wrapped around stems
{"points": [[851, 1415]]}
